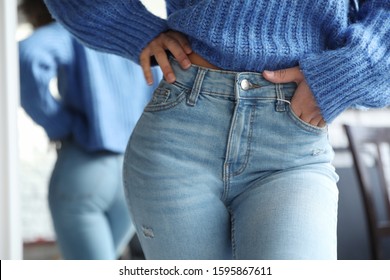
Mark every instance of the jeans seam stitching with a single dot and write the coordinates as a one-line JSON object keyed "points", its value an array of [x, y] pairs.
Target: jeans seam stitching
{"points": [[248, 149], [232, 232]]}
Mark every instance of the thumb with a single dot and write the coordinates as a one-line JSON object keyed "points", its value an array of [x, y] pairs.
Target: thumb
{"points": [[284, 75]]}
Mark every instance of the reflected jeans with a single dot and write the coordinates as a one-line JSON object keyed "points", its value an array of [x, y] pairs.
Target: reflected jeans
{"points": [[219, 167], [87, 204]]}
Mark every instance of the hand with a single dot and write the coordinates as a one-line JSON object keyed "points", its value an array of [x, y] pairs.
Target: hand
{"points": [[303, 102], [173, 41]]}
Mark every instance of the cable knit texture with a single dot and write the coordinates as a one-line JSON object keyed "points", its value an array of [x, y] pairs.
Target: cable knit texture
{"points": [[101, 95], [344, 64]]}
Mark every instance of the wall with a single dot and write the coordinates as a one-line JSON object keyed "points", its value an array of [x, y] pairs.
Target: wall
{"points": [[10, 236]]}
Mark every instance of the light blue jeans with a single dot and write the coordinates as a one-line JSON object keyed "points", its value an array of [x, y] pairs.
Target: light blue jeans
{"points": [[87, 204], [219, 167]]}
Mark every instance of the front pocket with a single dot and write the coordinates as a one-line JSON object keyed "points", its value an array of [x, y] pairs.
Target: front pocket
{"points": [[160, 96], [166, 96], [304, 125]]}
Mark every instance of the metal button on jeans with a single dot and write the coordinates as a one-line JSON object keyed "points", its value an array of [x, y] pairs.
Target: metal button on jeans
{"points": [[245, 84]]}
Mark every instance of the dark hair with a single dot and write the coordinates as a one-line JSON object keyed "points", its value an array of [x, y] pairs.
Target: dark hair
{"points": [[36, 12]]}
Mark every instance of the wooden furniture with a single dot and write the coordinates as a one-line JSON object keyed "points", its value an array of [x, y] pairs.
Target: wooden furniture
{"points": [[370, 148]]}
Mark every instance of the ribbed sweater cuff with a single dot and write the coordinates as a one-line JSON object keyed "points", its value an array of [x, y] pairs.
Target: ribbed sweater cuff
{"points": [[121, 27], [343, 78], [334, 77]]}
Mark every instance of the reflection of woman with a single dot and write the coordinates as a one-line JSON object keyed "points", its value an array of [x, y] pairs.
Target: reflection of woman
{"points": [[230, 160], [102, 97]]}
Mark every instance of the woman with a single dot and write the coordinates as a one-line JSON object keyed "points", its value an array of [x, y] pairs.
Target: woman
{"points": [[101, 99], [231, 158]]}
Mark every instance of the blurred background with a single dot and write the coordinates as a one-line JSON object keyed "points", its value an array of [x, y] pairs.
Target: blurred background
{"points": [[37, 157]]}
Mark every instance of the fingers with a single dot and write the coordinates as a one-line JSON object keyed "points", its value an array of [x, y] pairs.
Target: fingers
{"points": [[313, 118], [303, 102], [178, 46], [287, 75], [182, 41], [304, 105], [145, 65]]}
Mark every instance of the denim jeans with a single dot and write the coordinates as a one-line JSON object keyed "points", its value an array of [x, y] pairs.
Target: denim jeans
{"points": [[87, 204], [219, 167]]}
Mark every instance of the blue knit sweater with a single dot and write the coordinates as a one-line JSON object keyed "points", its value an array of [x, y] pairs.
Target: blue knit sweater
{"points": [[344, 64], [101, 95]]}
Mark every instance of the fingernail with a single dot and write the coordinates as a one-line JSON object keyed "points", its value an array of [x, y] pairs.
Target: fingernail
{"points": [[188, 50], [186, 63], [270, 74], [170, 78]]}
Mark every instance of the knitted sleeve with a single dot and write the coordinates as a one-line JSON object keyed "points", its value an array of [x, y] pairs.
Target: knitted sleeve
{"points": [[40, 56], [122, 27], [357, 74]]}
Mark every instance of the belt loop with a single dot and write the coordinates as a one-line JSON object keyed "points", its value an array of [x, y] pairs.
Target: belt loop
{"points": [[191, 101], [281, 101]]}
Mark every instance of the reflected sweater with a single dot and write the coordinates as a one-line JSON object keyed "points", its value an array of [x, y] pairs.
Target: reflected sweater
{"points": [[101, 96], [344, 64]]}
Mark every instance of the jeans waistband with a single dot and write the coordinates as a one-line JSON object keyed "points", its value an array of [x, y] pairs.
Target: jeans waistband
{"points": [[243, 85]]}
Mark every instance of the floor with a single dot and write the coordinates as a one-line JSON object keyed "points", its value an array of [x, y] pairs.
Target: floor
{"points": [[48, 250]]}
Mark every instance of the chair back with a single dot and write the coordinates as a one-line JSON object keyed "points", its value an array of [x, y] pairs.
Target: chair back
{"points": [[370, 148]]}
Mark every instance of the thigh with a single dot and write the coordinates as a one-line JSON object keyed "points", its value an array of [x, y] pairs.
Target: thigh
{"points": [[288, 215], [118, 214], [173, 178], [177, 210], [181, 223], [83, 181], [80, 192]]}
